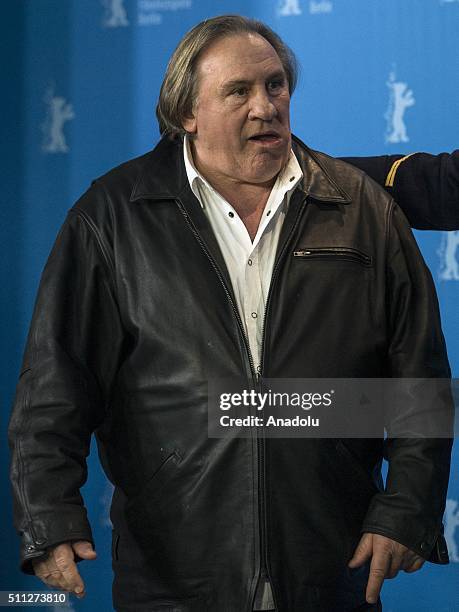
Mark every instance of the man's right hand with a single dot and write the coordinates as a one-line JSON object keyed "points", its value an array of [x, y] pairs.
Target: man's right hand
{"points": [[59, 569]]}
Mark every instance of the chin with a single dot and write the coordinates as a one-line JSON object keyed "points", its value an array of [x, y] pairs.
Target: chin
{"points": [[267, 171]]}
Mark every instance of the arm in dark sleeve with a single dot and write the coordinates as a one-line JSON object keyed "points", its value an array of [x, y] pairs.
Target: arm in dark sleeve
{"points": [[69, 364], [425, 186], [411, 507]]}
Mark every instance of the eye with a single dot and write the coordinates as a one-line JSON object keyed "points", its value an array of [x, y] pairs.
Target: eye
{"points": [[275, 85], [239, 92]]}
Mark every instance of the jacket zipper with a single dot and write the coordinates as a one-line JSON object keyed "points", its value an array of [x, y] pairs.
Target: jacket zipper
{"points": [[335, 252], [30, 525], [255, 380], [227, 292], [261, 440]]}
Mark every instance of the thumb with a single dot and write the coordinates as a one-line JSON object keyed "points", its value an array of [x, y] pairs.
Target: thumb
{"points": [[363, 551], [84, 550]]}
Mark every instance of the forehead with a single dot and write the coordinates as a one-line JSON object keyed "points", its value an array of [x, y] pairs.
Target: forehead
{"points": [[238, 56]]}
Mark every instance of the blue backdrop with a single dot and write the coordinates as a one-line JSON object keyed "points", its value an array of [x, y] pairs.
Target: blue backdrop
{"points": [[81, 80]]}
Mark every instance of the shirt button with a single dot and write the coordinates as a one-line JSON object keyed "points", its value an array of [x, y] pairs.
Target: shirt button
{"points": [[254, 315], [231, 214], [250, 262], [268, 213]]}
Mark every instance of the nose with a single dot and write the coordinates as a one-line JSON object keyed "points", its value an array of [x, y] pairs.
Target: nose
{"points": [[261, 106]]}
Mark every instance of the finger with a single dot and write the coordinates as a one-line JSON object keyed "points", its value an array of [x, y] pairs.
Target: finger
{"points": [[51, 576], [39, 565], [84, 549], [395, 565], [48, 572], [363, 551], [408, 560], [415, 566], [379, 567], [46, 569], [64, 559], [54, 582]]}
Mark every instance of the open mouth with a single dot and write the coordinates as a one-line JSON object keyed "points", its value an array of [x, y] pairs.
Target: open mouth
{"points": [[267, 137]]}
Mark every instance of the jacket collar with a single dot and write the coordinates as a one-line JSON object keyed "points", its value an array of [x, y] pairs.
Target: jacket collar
{"points": [[318, 182], [163, 175]]}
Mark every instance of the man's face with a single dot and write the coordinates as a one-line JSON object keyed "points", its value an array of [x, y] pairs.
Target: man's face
{"points": [[240, 121]]}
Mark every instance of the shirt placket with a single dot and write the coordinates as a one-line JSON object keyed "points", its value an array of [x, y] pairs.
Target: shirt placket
{"points": [[253, 304]]}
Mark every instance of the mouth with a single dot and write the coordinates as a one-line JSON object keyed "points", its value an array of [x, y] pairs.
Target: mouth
{"points": [[266, 138]]}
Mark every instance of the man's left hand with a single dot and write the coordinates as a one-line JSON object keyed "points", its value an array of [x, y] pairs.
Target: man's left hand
{"points": [[387, 556]]}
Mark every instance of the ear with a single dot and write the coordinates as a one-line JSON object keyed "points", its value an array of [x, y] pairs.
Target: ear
{"points": [[190, 124]]}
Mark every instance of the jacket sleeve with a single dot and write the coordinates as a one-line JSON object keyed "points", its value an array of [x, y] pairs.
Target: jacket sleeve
{"points": [[69, 364], [411, 507], [425, 186]]}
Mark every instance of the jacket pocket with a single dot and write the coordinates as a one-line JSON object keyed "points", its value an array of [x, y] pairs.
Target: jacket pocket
{"points": [[336, 253], [163, 474], [144, 503]]}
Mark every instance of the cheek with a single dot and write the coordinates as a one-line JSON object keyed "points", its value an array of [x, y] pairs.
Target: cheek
{"points": [[285, 112], [283, 108]]}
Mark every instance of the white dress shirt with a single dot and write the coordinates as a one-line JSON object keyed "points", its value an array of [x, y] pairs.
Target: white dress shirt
{"points": [[250, 264]]}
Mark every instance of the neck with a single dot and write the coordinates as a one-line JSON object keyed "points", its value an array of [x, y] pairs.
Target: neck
{"points": [[247, 199], [249, 202]]}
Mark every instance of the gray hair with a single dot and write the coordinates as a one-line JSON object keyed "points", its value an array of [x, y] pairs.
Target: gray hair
{"points": [[179, 88]]}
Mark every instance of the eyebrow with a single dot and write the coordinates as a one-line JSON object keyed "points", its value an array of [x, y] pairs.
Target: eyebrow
{"points": [[241, 82]]}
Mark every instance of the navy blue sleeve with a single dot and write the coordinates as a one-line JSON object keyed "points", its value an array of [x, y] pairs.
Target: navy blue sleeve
{"points": [[425, 186]]}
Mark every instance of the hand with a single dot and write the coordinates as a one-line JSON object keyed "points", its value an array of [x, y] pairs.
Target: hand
{"points": [[59, 569], [387, 556]]}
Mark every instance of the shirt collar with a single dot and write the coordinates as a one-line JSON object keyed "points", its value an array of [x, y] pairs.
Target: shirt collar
{"points": [[286, 181]]}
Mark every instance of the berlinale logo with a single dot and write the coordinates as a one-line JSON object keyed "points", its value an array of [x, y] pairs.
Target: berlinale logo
{"points": [[289, 7], [400, 98], [115, 14], [448, 253], [58, 112], [286, 8]]}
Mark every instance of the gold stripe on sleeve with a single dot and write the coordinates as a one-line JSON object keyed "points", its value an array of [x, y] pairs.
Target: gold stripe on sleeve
{"points": [[393, 171]]}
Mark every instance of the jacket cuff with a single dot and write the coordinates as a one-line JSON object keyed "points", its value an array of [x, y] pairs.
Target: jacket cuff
{"points": [[49, 530], [428, 543]]}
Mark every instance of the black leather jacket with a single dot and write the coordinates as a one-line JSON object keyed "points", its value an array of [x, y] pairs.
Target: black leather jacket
{"points": [[135, 314]]}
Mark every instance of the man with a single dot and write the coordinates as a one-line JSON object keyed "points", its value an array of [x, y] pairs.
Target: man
{"points": [[178, 268]]}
